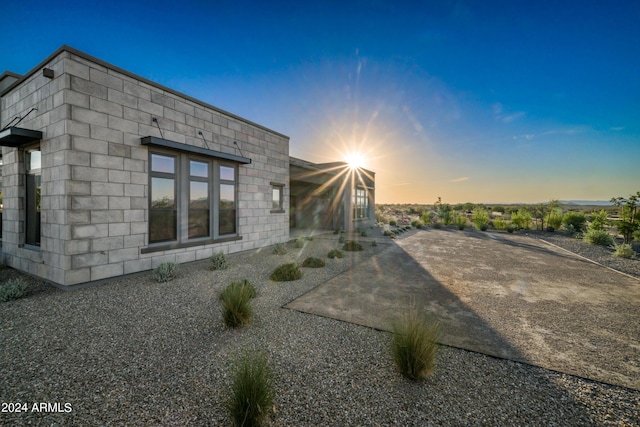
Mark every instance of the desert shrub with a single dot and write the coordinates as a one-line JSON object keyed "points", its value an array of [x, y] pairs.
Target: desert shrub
{"points": [[510, 228], [416, 224], [335, 253], [437, 225], [576, 219], [166, 272], [312, 262], [14, 289], [393, 223], [636, 236], [236, 310], [598, 220], [555, 219], [461, 221], [218, 261], [414, 344], [336, 231], [500, 224], [342, 239], [624, 250], [374, 243], [521, 219], [363, 233], [286, 273], [299, 243], [385, 233], [252, 391], [352, 246], [480, 219], [598, 237], [427, 217], [569, 229], [280, 249]]}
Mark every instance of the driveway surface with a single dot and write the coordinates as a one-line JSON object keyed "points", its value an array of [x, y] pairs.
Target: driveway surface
{"points": [[508, 296]]}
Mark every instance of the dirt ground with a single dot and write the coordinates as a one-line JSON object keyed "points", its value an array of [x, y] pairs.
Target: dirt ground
{"points": [[508, 296]]}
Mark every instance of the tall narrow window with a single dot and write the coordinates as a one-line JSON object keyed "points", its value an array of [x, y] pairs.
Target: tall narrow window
{"points": [[276, 198], [227, 207], [33, 167], [163, 215], [199, 212], [360, 204]]}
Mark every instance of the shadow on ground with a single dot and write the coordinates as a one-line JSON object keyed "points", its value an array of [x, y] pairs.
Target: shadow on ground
{"points": [[507, 296]]}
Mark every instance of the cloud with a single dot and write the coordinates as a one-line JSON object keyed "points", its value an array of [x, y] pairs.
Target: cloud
{"points": [[512, 117], [461, 179]]}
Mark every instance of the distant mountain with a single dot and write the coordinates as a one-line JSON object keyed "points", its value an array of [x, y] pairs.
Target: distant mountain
{"points": [[587, 202]]}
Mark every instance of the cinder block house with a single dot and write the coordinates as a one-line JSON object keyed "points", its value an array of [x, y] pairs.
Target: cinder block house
{"points": [[106, 173]]}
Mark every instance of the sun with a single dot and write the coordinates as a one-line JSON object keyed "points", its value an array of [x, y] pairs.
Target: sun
{"points": [[355, 160]]}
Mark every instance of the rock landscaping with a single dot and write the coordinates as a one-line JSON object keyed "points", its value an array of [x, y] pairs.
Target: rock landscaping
{"points": [[138, 352]]}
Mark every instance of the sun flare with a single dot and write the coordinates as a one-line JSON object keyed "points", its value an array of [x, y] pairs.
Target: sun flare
{"points": [[355, 160]]}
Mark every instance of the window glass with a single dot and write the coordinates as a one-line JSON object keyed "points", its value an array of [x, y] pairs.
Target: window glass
{"points": [[34, 160], [227, 211], [33, 187], [162, 193], [198, 209], [277, 198], [164, 164], [162, 225], [199, 169], [227, 173]]}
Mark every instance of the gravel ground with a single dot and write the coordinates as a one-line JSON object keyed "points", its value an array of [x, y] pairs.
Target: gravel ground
{"points": [[137, 352]]}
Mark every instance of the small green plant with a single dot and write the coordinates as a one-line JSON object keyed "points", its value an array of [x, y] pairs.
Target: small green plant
{"points": [[510, 228], [598, 220], [299, 243], [342, 239], [624, 250], [385, 233], [280, 249], [252, 391], [352, 246], [393, 223], [286, 273], [166, 272], [500, 224], [416, 224], [437, 225], [521, 219], [336, 231], [414, 343], [374, 243], [575, 219], [596, 236], [460, 221], [335, 253], [236, 310], [555, 219], [480, 219], [636, 236], [363, 233], [312, 262], [218, 261], [13, 289]]}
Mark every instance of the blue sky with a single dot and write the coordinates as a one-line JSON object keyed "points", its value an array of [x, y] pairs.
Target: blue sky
{"points": [[467, 100]]}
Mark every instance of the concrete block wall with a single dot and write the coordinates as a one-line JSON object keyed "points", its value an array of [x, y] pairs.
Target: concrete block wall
{"points": [[95, 171]]}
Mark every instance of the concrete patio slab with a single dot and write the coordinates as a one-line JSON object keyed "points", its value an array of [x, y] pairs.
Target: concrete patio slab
{"points": [[508, 296]]}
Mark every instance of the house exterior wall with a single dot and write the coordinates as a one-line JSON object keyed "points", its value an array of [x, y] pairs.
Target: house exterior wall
{"points": [[95, 171]]}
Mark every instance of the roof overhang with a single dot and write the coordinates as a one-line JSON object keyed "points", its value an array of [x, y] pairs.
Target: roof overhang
{"points": [[19, 137], [165, 143]]}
